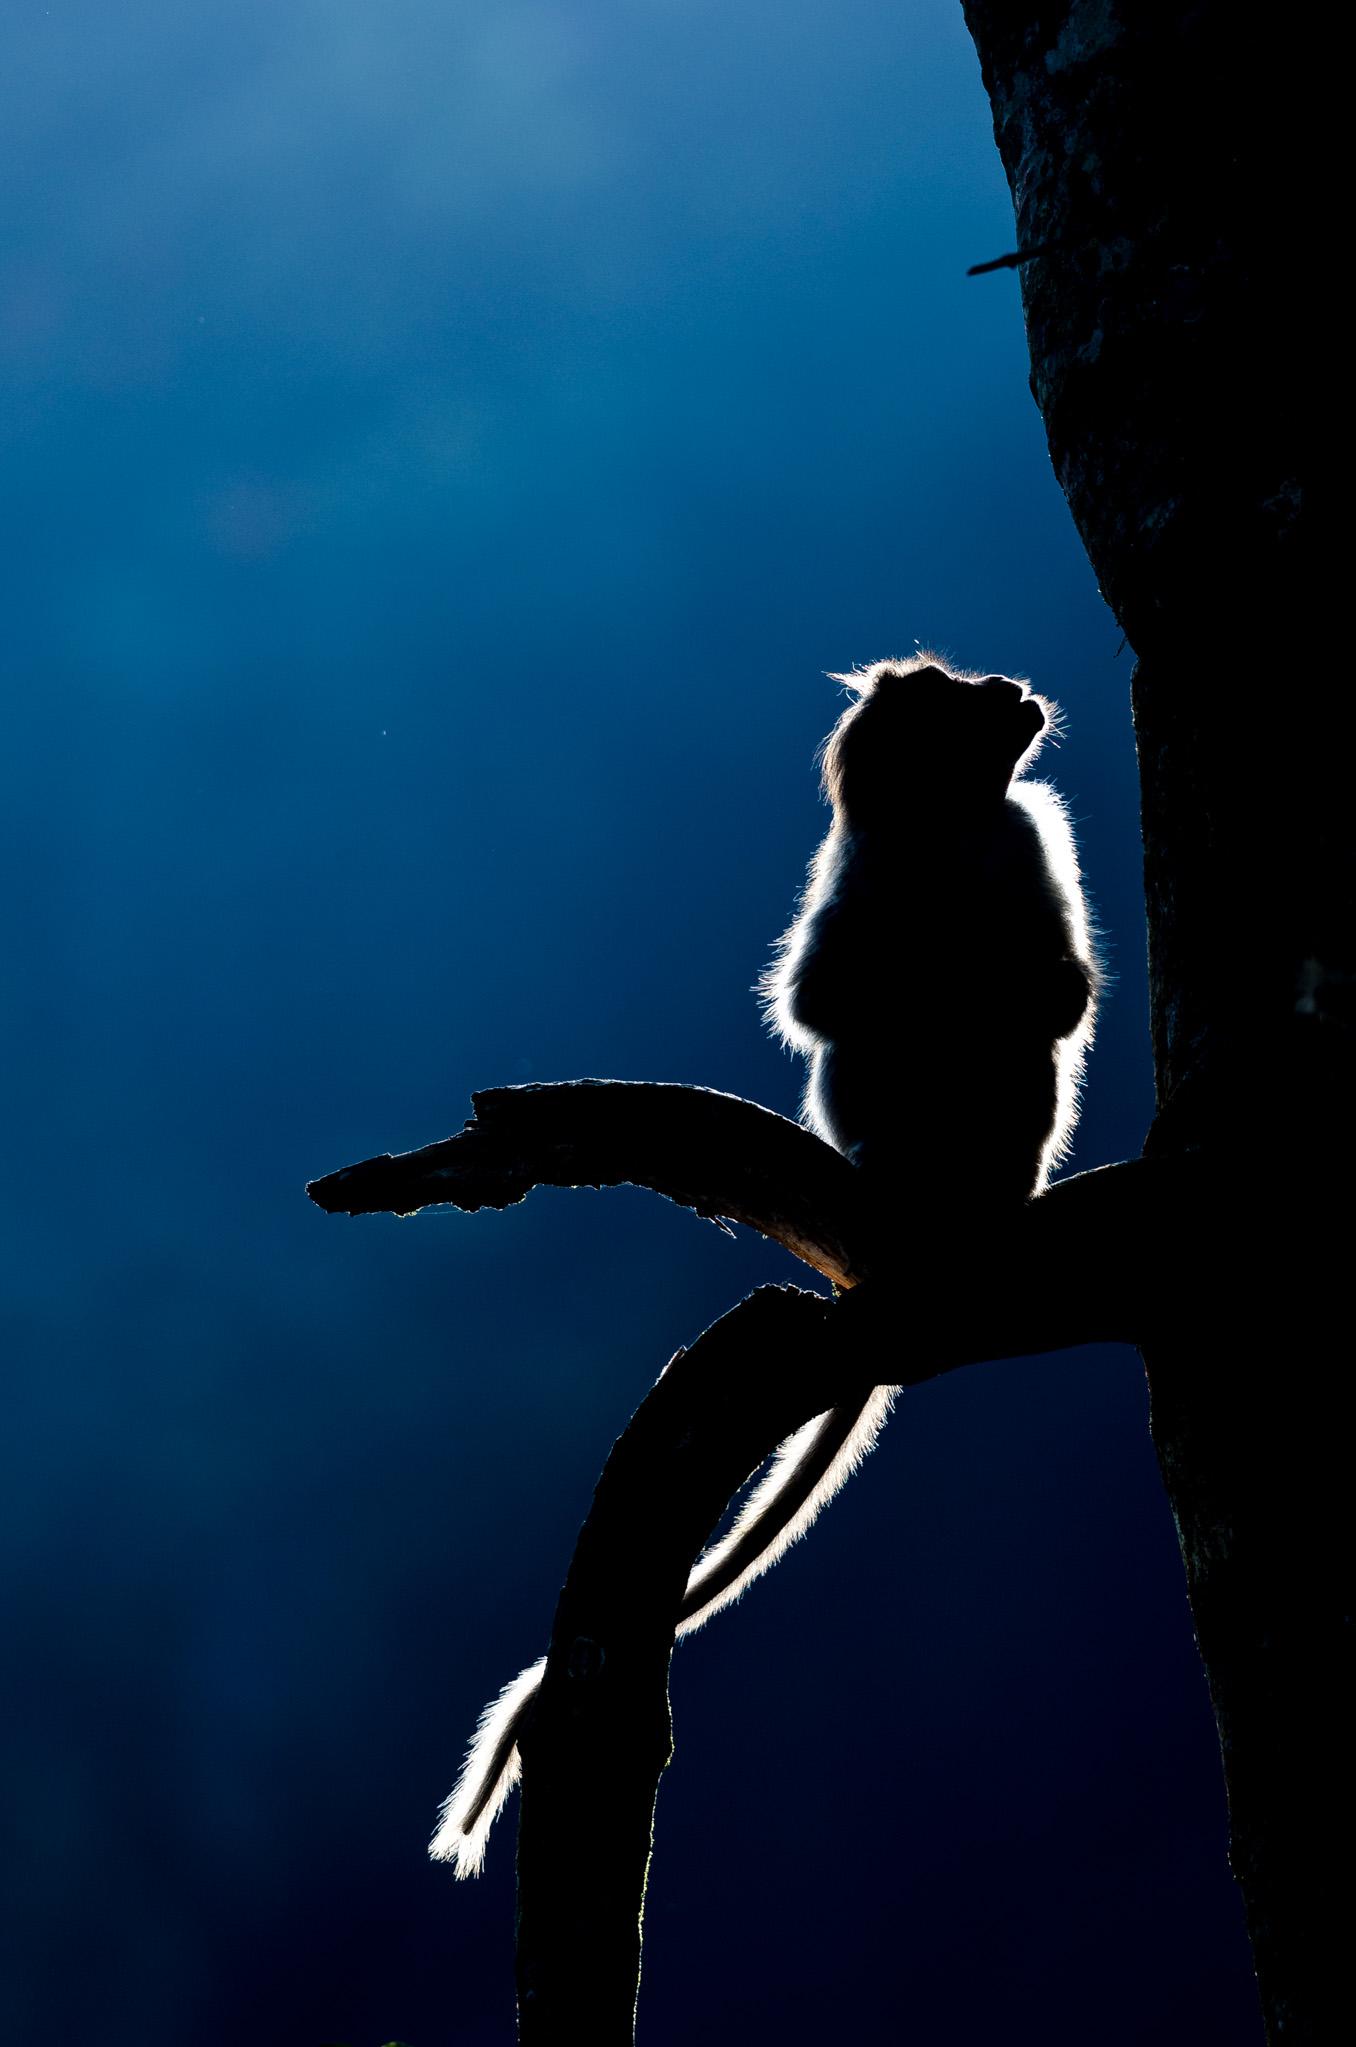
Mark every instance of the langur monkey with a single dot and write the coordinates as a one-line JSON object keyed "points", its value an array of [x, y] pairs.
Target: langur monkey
{"points": [[940, 980]]}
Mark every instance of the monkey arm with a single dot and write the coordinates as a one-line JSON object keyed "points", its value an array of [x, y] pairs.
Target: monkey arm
{"points": [[1068, 996], [831, 974]]}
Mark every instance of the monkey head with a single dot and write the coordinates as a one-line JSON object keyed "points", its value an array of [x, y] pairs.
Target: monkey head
{"points": [[920, 737]]}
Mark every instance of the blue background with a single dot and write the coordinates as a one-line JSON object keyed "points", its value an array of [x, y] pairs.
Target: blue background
{"points": [[444, 447]]}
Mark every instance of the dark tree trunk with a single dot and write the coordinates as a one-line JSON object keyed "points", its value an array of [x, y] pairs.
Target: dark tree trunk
{"points": [[1161, 177]]}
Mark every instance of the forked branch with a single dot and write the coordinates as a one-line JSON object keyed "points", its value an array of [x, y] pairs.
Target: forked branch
{"points": [[1091, 1260], [1094, 1258]]}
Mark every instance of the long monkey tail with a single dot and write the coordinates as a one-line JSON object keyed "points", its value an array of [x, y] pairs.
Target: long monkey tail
{"points": [[804, 1475]]}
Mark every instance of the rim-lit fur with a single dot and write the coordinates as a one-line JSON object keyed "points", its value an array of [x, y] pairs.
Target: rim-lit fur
{"points": [[931, 806]]}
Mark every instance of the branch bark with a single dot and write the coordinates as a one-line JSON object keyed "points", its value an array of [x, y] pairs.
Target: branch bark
{"points": [[600, 1736], [728, 1159], [1115, 1242], [1091, 1259]]}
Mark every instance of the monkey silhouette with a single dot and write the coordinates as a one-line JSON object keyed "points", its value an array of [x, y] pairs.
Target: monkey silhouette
{"points": [[940, 979]]}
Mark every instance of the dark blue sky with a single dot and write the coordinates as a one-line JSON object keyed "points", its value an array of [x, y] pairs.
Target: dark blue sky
{"points": [[444, 446]]}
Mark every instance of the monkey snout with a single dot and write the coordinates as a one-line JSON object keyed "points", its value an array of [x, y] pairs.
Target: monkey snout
{"points": [[1026, 711]]}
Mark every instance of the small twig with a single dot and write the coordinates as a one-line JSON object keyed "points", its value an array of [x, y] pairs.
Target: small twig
{"points": [[1014, 259]]}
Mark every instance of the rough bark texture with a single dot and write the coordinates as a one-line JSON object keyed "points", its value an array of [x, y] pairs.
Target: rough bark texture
{"points": [[1159, 155]]}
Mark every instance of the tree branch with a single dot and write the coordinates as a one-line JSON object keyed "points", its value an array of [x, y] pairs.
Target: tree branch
{"points": [[600, 1735], [1108, 1256], [728, 1159], [1094, 1258]]}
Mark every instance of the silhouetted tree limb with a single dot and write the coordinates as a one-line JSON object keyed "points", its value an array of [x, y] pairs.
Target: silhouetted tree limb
{"points": [[927, 1294], [1110, 1235], [600, 1736], [727, 1158]]}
